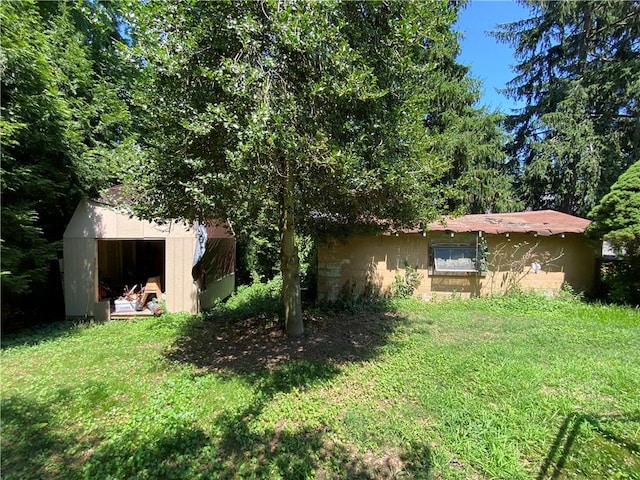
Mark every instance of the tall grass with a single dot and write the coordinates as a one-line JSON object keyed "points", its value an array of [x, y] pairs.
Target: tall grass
{"points": [[516, 388]]}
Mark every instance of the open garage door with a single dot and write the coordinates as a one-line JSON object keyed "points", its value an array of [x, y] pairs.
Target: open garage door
{"points": [[125, 263]]}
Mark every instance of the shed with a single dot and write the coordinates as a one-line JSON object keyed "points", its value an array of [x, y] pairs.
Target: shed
{"points": [[106, 251], [467, 256]]}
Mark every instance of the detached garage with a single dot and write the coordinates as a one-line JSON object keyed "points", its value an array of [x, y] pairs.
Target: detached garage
{"points": [[107, 253], [468, 256]]}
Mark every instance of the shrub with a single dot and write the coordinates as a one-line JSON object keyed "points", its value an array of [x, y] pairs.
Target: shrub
{"points": [[405, 285], [250, 301]]}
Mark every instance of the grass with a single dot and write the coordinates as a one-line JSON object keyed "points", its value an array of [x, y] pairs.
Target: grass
{"points": [[516, 388]]}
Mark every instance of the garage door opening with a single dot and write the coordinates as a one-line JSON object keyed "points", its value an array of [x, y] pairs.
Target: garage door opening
{"points": [[123, 264]]}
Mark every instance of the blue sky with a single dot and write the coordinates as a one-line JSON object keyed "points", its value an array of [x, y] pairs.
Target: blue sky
{"points": [[489, 60]]}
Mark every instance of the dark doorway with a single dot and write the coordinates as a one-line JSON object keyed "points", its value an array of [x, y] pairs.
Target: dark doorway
{"points": [[125, 263]]}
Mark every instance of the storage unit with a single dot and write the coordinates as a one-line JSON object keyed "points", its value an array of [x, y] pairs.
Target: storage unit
{"points": [[106, 251]]}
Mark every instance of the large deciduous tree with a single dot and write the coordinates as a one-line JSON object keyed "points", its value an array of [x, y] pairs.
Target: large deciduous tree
{"points": [[577, 71], [64, 120], [311, 112]]}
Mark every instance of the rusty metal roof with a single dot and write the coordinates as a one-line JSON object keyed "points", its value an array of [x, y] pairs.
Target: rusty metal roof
{"points": [[542, 222]]}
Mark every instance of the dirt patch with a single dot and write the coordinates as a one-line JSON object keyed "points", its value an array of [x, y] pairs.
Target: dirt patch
{"points": [[384, 465], [261, 343]]}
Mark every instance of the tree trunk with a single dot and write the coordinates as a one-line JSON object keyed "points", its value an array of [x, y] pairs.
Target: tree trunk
{"points": [[289, 262]]}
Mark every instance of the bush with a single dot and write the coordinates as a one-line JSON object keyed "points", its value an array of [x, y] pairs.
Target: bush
{"points": [[352, 299], [404, 285], [620, 283], [250, 301]]}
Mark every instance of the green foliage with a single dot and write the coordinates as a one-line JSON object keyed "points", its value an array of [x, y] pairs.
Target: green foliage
{"points": [[353, 298], [33, 118], [617, 219], [64, 126], [344, 105], [257, 255], [406, 283], [479, 178], [620, 282], [567, 292], [617, 216], [302, 116], [577, 72], [258, 300], [567, 162], [482, 255]]}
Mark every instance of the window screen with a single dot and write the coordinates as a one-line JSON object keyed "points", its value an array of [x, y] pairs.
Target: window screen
{"points": [[454, 259]]}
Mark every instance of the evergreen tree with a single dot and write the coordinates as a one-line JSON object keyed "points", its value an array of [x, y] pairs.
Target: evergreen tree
{"points": [[577, 70], [64, 123], [480, 179], [617, 219], [617, 216]]}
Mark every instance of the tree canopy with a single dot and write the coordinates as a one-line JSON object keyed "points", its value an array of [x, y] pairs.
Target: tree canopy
{"points": [[617, 217], [64, 124], [308, 113], [577, 71]]}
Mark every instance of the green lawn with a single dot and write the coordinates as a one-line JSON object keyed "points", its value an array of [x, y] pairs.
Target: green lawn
{"points": [[511, 388]]}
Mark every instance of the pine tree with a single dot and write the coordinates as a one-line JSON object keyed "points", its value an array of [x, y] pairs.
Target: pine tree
{"points": [[616, 219], [479, 179], [617, 216], [577, 71]]}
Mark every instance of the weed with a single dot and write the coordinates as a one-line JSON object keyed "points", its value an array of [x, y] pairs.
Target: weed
{"points": [[250, 301], [353, 299], [518, 261], [405, 284]]}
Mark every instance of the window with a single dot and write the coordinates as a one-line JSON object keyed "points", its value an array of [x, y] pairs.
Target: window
{"points": [[454, 259], [461, 254], [457, 258]]}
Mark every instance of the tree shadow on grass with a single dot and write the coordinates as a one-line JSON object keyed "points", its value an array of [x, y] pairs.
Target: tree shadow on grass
{"points": [[178, 450], [258, 343], [258, 351], [42, 333], [305, 452], [621, 448], [32, 443]]}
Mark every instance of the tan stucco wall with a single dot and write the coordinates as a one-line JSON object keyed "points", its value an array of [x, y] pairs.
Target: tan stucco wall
{"points": [[574, 262], [360, 260], [350, 264]]}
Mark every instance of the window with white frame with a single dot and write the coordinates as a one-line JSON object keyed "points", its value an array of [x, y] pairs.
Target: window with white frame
{"points": [[453, 253]]}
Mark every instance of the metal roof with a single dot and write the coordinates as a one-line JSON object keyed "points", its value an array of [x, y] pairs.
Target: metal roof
{"points": [[542, 222]]}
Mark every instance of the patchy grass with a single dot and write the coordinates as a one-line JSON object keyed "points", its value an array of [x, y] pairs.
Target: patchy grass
{"points": [[518, 387]]}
